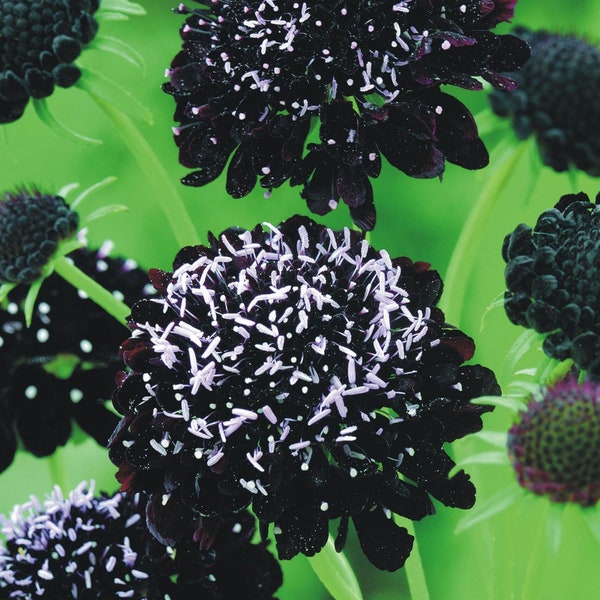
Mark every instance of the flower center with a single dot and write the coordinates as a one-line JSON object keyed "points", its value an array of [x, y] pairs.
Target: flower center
{"points": [[555, 448]]}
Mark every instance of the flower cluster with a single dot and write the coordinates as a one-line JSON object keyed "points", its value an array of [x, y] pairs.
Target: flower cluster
{"points": [[98, 547], [254, 75], [553, 280], [557, 100], [39, 40], [299, 370], [555, 446], [63, 365], [32, 224]]}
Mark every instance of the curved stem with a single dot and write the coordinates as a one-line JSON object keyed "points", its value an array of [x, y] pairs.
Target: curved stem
{"points": [[166, 194], [102, 297], [415, 573], [335, 573], [464, 254], [57, 470]]}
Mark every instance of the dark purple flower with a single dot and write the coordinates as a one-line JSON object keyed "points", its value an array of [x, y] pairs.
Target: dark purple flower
{"points": [[63, 366], [555, 445], [253, 76], [32, 225], [557, 100], [97, 547], [39, 40], [553, 280], [301, 371]]}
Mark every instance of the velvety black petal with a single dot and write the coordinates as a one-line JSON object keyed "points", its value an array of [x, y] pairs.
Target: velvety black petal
{"points": [[384, 543]]}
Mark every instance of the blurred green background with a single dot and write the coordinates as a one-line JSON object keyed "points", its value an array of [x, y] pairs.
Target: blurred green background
{"points": [[417, 218]]}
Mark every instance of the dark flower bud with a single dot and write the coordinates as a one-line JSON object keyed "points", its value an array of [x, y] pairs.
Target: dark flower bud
{"points": [[32, 225], [557, 100]]}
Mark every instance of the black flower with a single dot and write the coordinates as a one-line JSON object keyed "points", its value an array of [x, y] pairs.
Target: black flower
{"points": [[63, 366], [39, 40], [555, 446], [553, 280], [87, 546], [557, 100], [32, 225], [299, 370], [253, 75]]}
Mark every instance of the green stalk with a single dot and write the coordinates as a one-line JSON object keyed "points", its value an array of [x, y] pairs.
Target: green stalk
{"points": [[102, 297], [465, 252], [57, 470], [335, 573], [166, 194], [415, 573]]}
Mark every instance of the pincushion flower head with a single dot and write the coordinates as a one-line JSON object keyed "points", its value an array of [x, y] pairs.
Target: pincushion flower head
{"points": [[553, 452], [39, 42], [32, 225], [552, 274], [556, 100], [555, 445], [253, 77], [86, 546], [298, 370]]}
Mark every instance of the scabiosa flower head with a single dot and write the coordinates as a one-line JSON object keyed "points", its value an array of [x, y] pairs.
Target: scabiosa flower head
{"points": [[32, 225], [39, 40], [252, 75], [557, 100], [87, 546], [555, 446], [299, 370], [63, 365], [552, 275]]}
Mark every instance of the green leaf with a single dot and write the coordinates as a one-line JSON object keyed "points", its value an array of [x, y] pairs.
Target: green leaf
{"points": [[5, 289], [495, 438], [116, 46], [525, 342], [66, 189], [492, 506], [99, 86], [29, 304], [554, 526], [123, 7], [104, 211], [43, 112], [88, 191], [498, 302], [592, 517], [512, 403], [335, 573], [483, 458]]}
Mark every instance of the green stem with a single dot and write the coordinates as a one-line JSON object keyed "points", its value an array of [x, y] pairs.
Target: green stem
{"points": [[166, 194], [335, 573], [415, 573], [102, 297], [57, 470], [466, 250]]}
